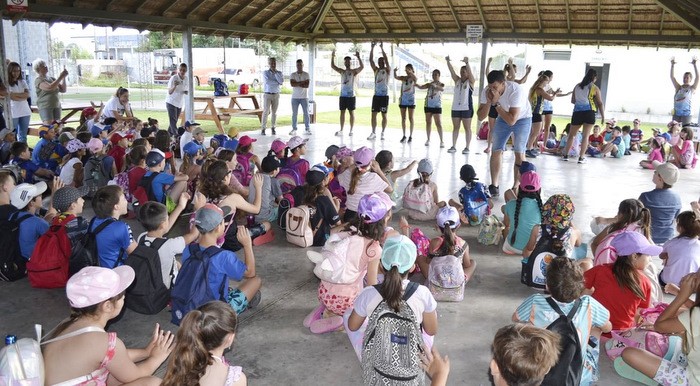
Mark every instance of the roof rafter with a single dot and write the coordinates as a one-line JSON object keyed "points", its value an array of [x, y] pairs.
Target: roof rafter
{"points": [[218, 7], [430, 17], [598, 20], [297, 17], [193, 8], [110, 4], [258, 11], [539, 18], [357, 15], [481, 14], [342, 25], [672, 7], [568, 17], [510, 16], [661, 24], [278, 12], [454, 14], [168, 6], [301, 23], [236, 11], [381, 15], [316, 26], [403, 14], [629, 21]]}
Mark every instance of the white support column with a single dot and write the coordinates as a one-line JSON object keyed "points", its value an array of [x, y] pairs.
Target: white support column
{"points": [[3, 68], [311, 68], [187, 58], [482, 75]]}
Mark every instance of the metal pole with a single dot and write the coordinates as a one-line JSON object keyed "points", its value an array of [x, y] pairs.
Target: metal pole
{"points": [[187, 58], [482, 76], [3, 67], [311, 66]]}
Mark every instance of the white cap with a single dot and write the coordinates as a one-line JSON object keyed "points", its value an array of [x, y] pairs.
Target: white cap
{"points": [[447, 215], [23, 194]]}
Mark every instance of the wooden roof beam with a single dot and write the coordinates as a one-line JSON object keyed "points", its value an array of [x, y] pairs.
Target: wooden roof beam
{"points": [[629, 20], [278, 12], [598, 20], [258, 11], [481, 13], [297, 17], [510, 16], [53, 21], [301, 25], [110, 4], [342, 25], [430, 17], [357, 15], [661, 24], [454, 15], [381, 16], [568, 17], [237, 10], [403, 14], [193, 8], [681, 13], [316, 26], [167, 8], [216, 9]]}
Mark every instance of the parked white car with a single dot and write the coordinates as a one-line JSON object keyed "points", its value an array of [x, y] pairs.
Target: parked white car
{"points": [[235, 76]]}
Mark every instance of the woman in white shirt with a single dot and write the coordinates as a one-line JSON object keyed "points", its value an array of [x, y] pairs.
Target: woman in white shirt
{"points": [[19, 93], [118, 106]]}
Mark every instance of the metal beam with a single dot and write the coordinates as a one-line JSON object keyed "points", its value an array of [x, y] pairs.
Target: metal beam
{"points": [[357, 15], [454, 14], [681, 13], [481, 14], [430, 17], [510, 16], [316, 26], [193, 8], [403, 14], [258, 11], [342, 25], [381, 16]]}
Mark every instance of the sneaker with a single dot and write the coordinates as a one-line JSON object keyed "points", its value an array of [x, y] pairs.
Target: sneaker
{"points": [[410, 139], [465, 151], [565, 158], [326, 325], [339, 133], [255, 301], [535, 151], [581, 160], [493, 190], [442, 145], [427, 143], [293, 132], [372, 136], [263, 132], [382, 137], [350, 133], [274, 132], [403, 139], [452, 150], [307, 131], [530, 154]]}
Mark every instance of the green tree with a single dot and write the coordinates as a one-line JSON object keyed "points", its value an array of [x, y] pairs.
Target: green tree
{"points": [[77, 52], [276, 49], [202, 41], [156, 40]]}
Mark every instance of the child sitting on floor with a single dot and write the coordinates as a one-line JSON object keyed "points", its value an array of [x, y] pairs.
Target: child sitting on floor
{"points": [[385, 159], [162, 187], [684, 151], [616, 146], [271, 190], [627, 139], [474, 198], [522, 214], [663, 203], [595, 142], [681, 254], [657, 155], [636, 136], [420, 198]]}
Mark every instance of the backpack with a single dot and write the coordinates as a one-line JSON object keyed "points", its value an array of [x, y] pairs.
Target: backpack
{"points": [[483, 132], [605, 253], [95, 175], [534, 269], [299, 231], [122, 180], [21, 363], [85, 251], [289, 176], [191, 289], [48, 266], [490, 230], [421, 240], [220, 88], [339, 266], [285, 204], [148, 294], [446, 278], [242, 171], [12, 264], [475, 203], [418, 198], [567, 371], [391, 345], [144, 191], [243, 89]]}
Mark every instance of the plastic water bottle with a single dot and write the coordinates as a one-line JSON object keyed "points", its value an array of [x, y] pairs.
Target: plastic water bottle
{"points": [[10, 339]]}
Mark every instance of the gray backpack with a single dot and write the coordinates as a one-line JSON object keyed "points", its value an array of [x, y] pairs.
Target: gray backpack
{"points": [[95, 175], [391, 345]]}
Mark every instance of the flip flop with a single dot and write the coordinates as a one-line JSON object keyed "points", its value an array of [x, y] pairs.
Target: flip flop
{"points": [[264, 238], [323, 326], [314, 315], [314, 256], [626, 371]]}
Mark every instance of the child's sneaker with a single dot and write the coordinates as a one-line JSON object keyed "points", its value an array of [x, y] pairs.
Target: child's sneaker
{"points": [[452, 150], [255, 301], [493, 190], [314, 315], [530, 154]]}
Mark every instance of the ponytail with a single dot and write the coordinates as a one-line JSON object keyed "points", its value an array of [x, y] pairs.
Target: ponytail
{"points": [[626, 275], [449, 242], [186, 163], [354, 180], [392, 288], [689, 223]]}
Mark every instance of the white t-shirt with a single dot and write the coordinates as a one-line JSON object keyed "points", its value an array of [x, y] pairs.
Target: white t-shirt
{"points": [[175, 98], [421, 301], [299, 92], [68, 171], [19, 108], [683, 258], [113, 105], [170, 249], [689, 319], [369, 183], [185, 138], [514, 95]]}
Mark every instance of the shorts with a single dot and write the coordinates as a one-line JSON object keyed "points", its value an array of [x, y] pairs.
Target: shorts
{"points": [[335, 302], [547, 112], [670, 373], [492, 112], [432, 110], [237, 299], [346, 103], [462, 114], [520, 131], [380, 104], [583, 118], [536, 118], [170, 204], [407, 107], [685, 120]]}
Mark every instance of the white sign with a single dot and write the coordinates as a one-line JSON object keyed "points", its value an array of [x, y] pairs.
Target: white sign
{"points": [[475, 31], [17, 6]]}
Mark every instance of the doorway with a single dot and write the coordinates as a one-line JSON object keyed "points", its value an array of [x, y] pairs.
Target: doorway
{"points": [[603, 71]]}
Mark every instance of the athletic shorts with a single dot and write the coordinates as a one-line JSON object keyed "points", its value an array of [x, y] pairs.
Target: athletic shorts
{"points": [[432, 110], [462, 114], [684, 120], [236, 298], [380, 104], [346, 103], [407, 106], [493, 113], [536, 118], [583, 118], [520, 131], [547, 112]]}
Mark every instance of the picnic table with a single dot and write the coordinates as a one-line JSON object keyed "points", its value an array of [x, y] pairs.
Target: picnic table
{"points": [[219, 114], [70, 109]]}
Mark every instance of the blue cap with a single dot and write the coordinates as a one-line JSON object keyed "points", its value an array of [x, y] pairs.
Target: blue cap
{"points": [[98, 128], [191, 148], [527, 167], [322, 168], [231, 144], [221, 138], [400, 252]]}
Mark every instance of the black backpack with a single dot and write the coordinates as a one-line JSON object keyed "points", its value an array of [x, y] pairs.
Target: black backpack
{"points": [[220, 88], [85, 250], [146, 184], [567, 371], [12, 264], [533, 272], [148, 294]]}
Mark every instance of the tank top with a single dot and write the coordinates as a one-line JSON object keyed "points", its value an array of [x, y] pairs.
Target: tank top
{"points": [[408, 92], [100, 376], [536, 102], [347, 83], [584, 99], [463, 96], [547, 104], [681, 101], [433, 99], [380, 82]]}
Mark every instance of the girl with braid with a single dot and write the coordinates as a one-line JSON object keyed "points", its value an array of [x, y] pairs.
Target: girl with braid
{"points": [[522, 214]]}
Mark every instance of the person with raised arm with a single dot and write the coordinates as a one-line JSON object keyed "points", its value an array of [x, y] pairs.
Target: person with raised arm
{"points": [[347, 89], [684, 93]]}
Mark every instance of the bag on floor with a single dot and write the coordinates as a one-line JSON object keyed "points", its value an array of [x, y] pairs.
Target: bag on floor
{"points": [[490, 231], [422, 242], [341, 259], [48, 266], [299, 231], [475, 203], [22, 364], [12, 264], [418, 198], [533, 272], [191, 289], [446, 279], [148, 294], [85, 251], [391, 345], [483, 132], [568, 369], [289, 176]]}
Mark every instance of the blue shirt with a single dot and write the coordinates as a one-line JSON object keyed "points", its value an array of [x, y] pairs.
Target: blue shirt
{"points": [[528, 217], [664, 205], [114, 239], [37, 150], [159, 183], [29, 232], [222, 267], [29, 168]]}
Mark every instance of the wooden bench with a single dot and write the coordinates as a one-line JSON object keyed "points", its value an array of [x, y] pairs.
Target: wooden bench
{"points": [[222, 115]]}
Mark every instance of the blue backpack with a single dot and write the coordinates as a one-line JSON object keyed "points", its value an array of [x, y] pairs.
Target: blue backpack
{"points": [[475, 203], [191, 288], [220, 88]]}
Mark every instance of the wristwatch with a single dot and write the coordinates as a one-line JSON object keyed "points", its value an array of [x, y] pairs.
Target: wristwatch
{"points": [[495, 104]]}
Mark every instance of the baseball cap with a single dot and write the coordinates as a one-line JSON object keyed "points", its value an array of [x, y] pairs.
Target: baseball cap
{"points": [[363, 156], [270, 163], [447, 215], [209, 217], [3, 133], [231, 144], [668, 173], [197, 130], [220, 138], [278, 145], [527, 167], [530, 182], [88, 111], [467, 173], [636, 120], [191, 148], [232, 132], [44, 129], [74, 145], [322, 168], [94, 285], [672, 123], [314, 177], [331, 151], [67, 195], [296, 141], [399, 252], [190, 124], [344, 152], [118, 136], [147, 131], [23, 194], [97, 129], [95, 145], [629, 242], [154, 157], [373, 207], [425, 166], [246, 141]]}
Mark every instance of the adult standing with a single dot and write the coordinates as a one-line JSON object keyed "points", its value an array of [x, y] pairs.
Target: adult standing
{"points": [[547, 108], [514, 117], [47, 90], [300, 86], [347, 89], [684, 93], [19, 93], [433, 104], [177, 89], [587, 100], [462, 104], [272, 81], [118, 107], [380, 100], [538, 95]]}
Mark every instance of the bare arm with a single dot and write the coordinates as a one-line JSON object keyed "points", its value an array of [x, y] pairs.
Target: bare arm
{"points": [[545, 95], [676, 85], [430, 323], [249, 258], [402, 172], [386, 58], [599, 105], [483, 110], [333, 66], [527, 251], [509, 116], [362, 66], [453, 74], [371, 59], [20, 96], [695, 67], [524, 78], [470, 76], [668, 320]]}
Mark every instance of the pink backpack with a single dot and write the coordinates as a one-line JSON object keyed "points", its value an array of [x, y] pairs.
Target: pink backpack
{"points": [[642, 336], [605, 253], [242, 171], [483, 132]]}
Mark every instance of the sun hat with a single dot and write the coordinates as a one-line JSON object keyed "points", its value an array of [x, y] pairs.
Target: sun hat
{"points": [[558, 211], [530, 182], [191, 148], [95, 145], [232, 132], [467, 173], [331, 151], [67, 195], [270, 163], [629, 242], [43, 130], [24, 193], [246, 141], [373, 207], [74, 145], [344, 152], [399, 252], [527, 167], [447, 215], [425, 166], [296, 141], [94, 285], [278, 145], [116, 137], [314, 177], [363, 156], [209, 217], [154, 157], [322, 168], [668, 173]]}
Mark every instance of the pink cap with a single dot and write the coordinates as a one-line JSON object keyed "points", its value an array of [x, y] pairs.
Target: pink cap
{"points": [[373, 207], [93, 285], [530, 182], [363, 156], [95, 145], [246, 141], [278, 145]]}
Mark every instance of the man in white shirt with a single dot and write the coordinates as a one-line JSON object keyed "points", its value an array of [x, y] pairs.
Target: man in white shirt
{"points": [[177, 89], [300, 84], [380, 100], [272, 81], [514, 117], [347, 89]]}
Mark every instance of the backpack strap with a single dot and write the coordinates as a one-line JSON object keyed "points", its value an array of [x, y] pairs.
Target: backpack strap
{"points": [[410, 289], [155, 244], [74, 333], [100, 227], [555, 307]]}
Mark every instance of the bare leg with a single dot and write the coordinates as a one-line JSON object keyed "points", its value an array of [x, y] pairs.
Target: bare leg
{"points": [[384, 122], [584, 141], [519, 159], [455, 131], [467, 123], [424, 265], [428, 124], [352, 120], [410, 120], [547, 124], [534, 133], [176, 190], [573, 131], [250, 286], [342, 119], [489, 138], [495, 164], [374, 121], [642, 361], [438, 124], [403, 120]]}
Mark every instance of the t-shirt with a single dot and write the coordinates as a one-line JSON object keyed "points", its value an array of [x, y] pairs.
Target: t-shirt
{"points": [[691, 319], [118, 154], [223, 266], [29, 168], [299, 92], [347, 83], [326, 211], [368, 251], [514, 95], [622, 303], [46, 99], [369, 183], [381, 77], [627, 139], [185, 138], [159, 183], [37, 151], [135, 175], [636, 135], [272, 80], [167, 252], [113, 105], [664, 205], [528, 217], [421, 301], [270, 190], [595, 140], [112, 241], [683, 258], [29, 232], [75, 228], [19, 108], [68, 171], [175, 98]]}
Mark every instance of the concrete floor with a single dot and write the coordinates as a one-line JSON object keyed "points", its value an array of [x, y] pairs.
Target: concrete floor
{"points": [[272, 345]]}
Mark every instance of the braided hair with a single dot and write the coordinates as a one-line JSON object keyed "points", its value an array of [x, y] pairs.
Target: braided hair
{"points": [[521, 195]]}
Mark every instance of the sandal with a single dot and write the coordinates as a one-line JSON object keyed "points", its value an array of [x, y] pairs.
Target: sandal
{"points": [[314, 315], [323, 326]]}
